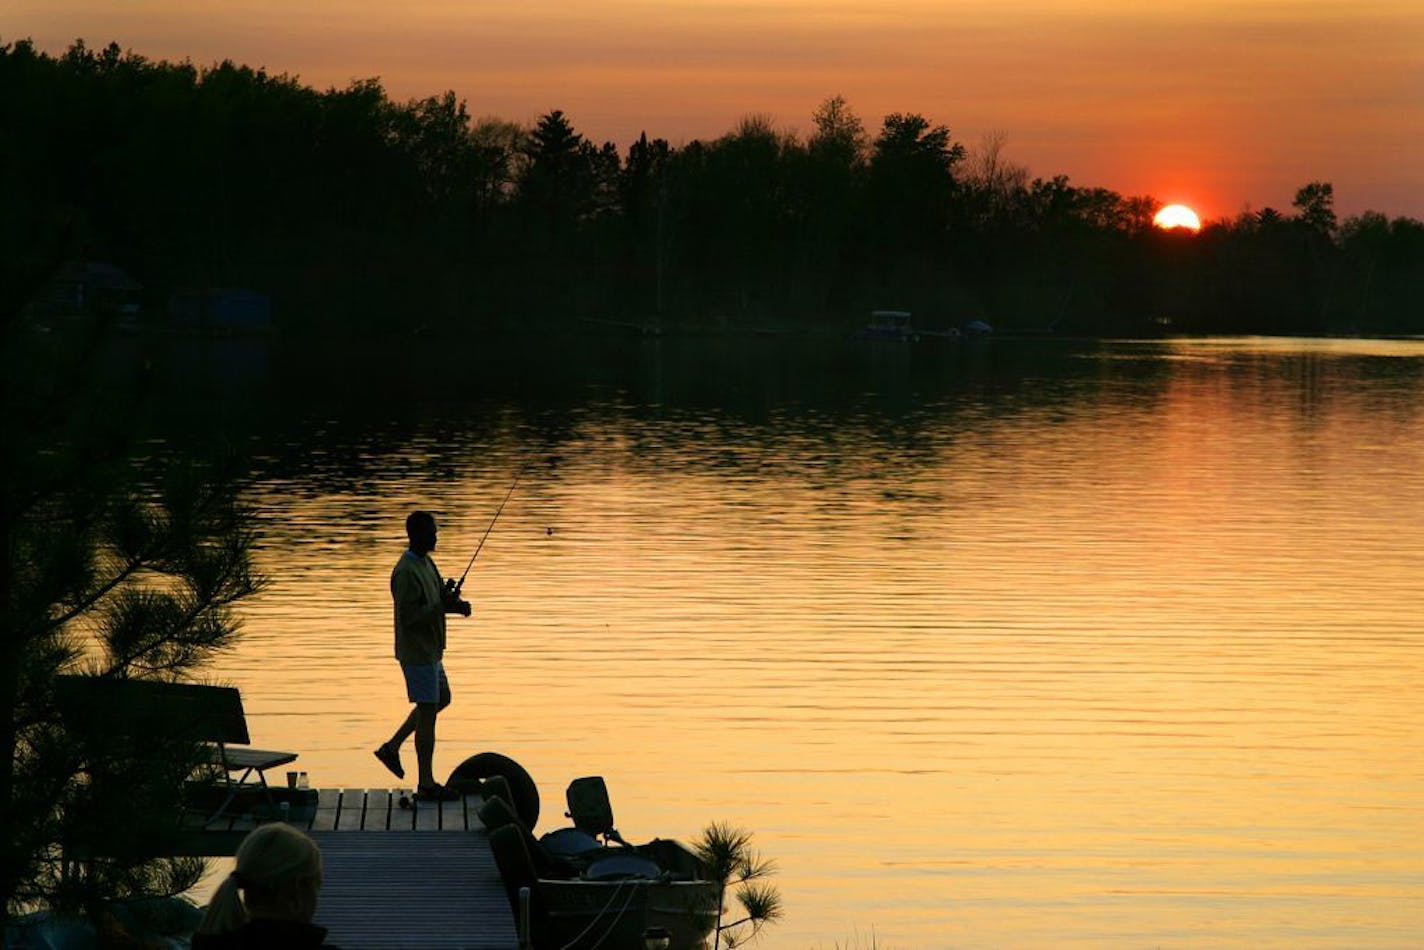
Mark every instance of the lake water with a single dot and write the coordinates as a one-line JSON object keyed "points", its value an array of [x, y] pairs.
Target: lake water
{"points": [[1020, 644]]}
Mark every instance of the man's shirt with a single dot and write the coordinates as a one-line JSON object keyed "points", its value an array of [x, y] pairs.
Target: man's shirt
{"points": [[419, 611]]}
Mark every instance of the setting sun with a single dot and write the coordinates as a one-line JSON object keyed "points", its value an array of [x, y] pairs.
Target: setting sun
{"points": [[1177, 216]]}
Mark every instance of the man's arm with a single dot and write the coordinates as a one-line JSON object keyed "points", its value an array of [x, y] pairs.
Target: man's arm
{"points": [[411, 605]]}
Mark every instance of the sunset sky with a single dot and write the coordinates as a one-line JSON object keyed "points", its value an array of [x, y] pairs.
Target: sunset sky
{"points": [[1222, 106]]}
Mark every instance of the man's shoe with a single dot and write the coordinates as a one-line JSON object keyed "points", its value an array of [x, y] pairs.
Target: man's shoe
{"points": [[437, 793], [390, 758]]}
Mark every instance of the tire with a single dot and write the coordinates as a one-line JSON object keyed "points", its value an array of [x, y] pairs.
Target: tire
{"points": [[469, 774]]}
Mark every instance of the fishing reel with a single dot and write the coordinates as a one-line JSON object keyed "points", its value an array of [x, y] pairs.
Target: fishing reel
{"points": [[450, 597]]}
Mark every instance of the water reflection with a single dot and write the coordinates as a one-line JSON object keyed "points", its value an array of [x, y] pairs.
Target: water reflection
{"points": [[1070, 644]]}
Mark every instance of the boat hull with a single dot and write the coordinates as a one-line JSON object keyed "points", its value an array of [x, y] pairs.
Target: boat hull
{"points": [[613, 915]]}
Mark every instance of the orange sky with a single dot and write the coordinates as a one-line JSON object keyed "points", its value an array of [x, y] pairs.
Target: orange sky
{"points": [[1218, 105]]}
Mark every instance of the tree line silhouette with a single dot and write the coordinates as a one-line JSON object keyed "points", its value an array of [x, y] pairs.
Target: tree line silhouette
{"points": [[358, 215]]}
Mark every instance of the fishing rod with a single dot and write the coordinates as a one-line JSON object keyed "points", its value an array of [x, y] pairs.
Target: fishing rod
{"points": [[457, 585]]}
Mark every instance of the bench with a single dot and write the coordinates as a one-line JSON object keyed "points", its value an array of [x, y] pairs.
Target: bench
{"points": [[209, 715]]}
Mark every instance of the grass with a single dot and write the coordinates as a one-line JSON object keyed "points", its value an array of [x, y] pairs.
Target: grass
{"points": [[857, 942]]}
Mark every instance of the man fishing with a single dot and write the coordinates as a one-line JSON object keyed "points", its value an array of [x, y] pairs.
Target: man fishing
{"points": [[421, 602]]}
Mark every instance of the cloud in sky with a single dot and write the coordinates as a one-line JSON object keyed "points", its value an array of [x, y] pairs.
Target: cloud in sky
{"points": [[1216, 104]]}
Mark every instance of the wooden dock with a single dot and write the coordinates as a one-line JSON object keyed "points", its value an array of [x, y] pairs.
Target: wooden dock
{"points": [[393, 877], [358, 809]]}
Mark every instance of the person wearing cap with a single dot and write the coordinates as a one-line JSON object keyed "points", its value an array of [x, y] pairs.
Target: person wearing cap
{"points": [[269, 898], [421, 602]]}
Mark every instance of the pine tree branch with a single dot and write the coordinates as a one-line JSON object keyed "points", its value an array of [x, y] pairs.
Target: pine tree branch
{"points": [[79, 608], [201, 607], [152, 557]]}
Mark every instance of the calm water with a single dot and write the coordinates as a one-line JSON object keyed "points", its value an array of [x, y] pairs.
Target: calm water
{"points": [[1017, 645]]}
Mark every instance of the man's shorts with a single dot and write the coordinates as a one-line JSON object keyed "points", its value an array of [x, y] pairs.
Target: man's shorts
{"points": [[426, 683]]}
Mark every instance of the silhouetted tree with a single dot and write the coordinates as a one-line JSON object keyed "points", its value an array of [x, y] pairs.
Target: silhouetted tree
{"points": [[558, 181], [743, 213], [645, 196], [500, 148], [361, 215], [1383, 264], [727, 858], [911, 189], [829, 188], [114, 568], [840, 140], [1316, 204], [435, 134], [995, 186]]}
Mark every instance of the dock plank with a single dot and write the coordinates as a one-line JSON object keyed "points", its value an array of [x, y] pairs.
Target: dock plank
{"points": [[403, 819], [378, 892], [349, 811], [377, 815], [327, 802], [340, 811], [427, 816]]}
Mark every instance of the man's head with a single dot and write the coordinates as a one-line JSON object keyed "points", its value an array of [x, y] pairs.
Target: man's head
{"points": [[420, 528]]}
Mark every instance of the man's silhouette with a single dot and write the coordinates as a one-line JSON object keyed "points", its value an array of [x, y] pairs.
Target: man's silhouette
{"points": [[421, 601]]}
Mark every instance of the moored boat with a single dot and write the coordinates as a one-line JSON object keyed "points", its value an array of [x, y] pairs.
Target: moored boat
{"points": [[583, 892], [891, 325], [622, 913]]}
